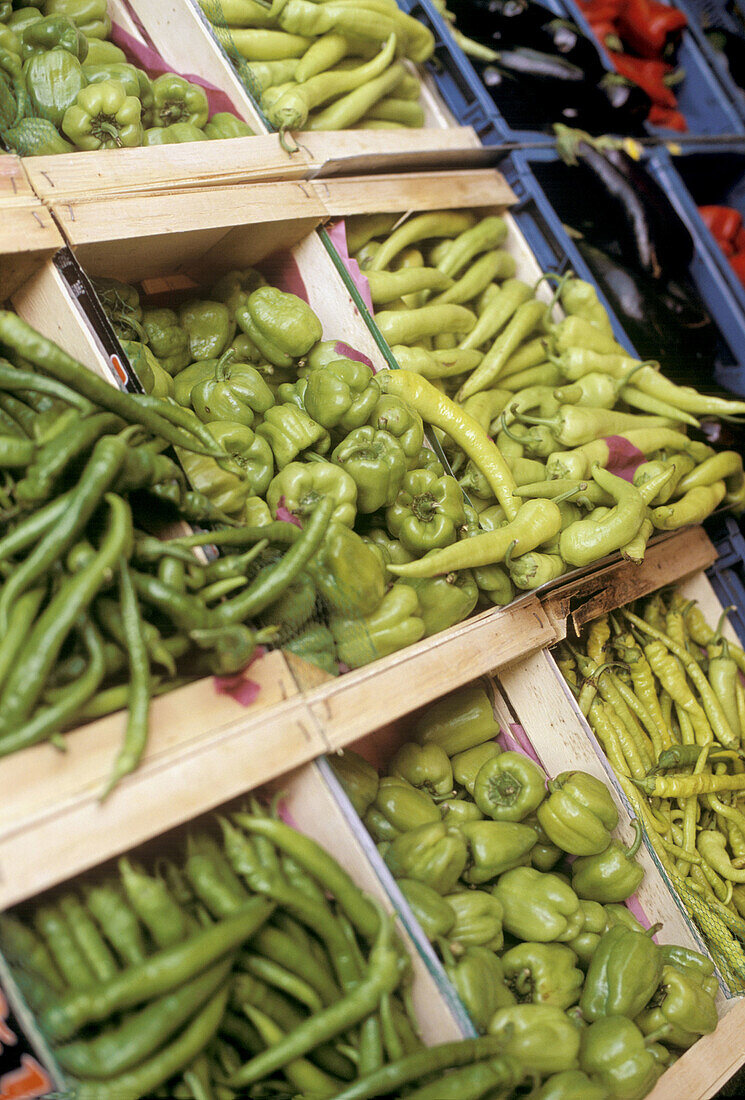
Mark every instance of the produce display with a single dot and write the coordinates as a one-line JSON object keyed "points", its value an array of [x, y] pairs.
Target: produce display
{"points": [[564, 402], [330, 66], [65, 87], [661, 690], [542, 953], [725, 225]]}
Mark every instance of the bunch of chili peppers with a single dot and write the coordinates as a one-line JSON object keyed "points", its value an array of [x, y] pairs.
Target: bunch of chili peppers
{"points": [[65, 87], [95, 613], [253, 962], [725, 225], [542, 953], [638, 36], [661, 690]]}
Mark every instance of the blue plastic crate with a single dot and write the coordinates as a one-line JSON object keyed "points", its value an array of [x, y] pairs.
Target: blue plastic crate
{"points": [[727, 574], [707, 13]]}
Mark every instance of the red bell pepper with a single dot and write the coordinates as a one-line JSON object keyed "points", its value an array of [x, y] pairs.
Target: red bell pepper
{"points": [[607, 35], [723, 222], [647, 25], [737, 263], [739, 241], [649, 75], [667, 117]]}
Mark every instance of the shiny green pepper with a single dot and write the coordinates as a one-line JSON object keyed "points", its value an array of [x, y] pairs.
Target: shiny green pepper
{"points": [[167, 340], [234, 287], [224, 124], [509, 787], [478, 920], [459, 721], [250, 455], [432, 854], [444, 601], [457, 811], [290, 431], [543, 973], [282, 326], [147, 367], [468, 764], [478, 978], [395, 623], [373, 458], [394, 416], [178, 133], [341, 395], [177, 100], [208, 328], [236, 392], [389, 551], [103, 116], [579, 814], [316, 645], [619, 914], [545, 855], [571, 1084], [53, 81], [227, 489], [89, 16], [347, 573], [494, 847], [404, 806], [125, 73], [614, 1055], [427, 512], [50, 33], [692, 963], [624, 972], [300, 485], [681, 1004], [612, 875], [433, 913], [425, 766], [540, 1036], [538, 906], [188, 377]]}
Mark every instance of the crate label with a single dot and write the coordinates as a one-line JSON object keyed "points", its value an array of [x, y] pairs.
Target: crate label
{"points": [[21, 1076]]}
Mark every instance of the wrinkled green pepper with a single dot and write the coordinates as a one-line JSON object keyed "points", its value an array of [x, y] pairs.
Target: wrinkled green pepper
{"points": [[623, 974], [539, 1035], [459, 721], [282, 326], [493, 848], [427, 511], [478, 919], [444, 601], [509, 787], [236, 392], [53, 82], [290, 431], [680, 1004], [579, 814], [103, 116], [538, 906], [176, 100], [432, 854], [341, 395], [478, 978], [208, 328], [543, 973], [614, 1055], [168, 340], [346, 571], [373, 458], [432, 911], [395, 623], [612, 875], [300, 485], [424, 766]]}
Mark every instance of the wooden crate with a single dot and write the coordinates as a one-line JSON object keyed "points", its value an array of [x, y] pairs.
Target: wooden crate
{"points": [[28, 236], [14, 183]]}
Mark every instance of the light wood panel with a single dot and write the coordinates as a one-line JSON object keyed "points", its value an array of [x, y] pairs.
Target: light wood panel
{"points": [[28, 235]]}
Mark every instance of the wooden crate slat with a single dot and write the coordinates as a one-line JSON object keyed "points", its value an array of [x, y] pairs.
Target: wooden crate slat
{"points": [[28, 235], [414, 191]]}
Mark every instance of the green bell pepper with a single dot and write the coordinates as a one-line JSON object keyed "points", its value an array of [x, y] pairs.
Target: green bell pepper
{"points": [[459, 721], [22, 18], [176, 100], [457, 811], [681, 1004], [545, 855], [432, 854], [125, 73], [586, 942], [316, 645], [619, 914], [478, 919], [50, 33], [341, 394], [388, 551], [693, 964], [146, 366], [478, 978], [612, 875], [250, 455], [394, 416], [224, 124], [208, 328], [89, 16], [36, 137], [579, 814], [571, 1084], [543, 973], [300, 485], [294, 608], [291, 431], [424, 766], [540, 1036], [427, 512], [188, 377], [379, 827], [373, 458], [226, 489], [256, 513], [236, 392], [167, 340], [357, 776], [178, 133], [101, 52], [282, 326], [103, 116], [435, 916], [394, 624], [347, 573], [444, 601], [234, 287], [624, 973], [509, 787], [614, 1055], [53, 82], [493, 848], [404, 806], [427, 460], [538, 906], [468, 764]]}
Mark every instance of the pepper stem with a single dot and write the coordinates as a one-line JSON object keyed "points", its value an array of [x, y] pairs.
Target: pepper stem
{"points": [[636, 842], [291, 149]]}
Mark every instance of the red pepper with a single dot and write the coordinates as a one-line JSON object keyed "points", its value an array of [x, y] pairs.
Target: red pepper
{"points": [[723, 222], [611, 8], [649, 75], [737, 263], [646, 25], [667, 117], [739, 241], [607, 35]]}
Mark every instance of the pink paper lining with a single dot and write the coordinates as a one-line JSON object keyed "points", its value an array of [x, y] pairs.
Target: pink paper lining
{"points": [[625, 458], [338, 236], [244, 690], [145, 57]]}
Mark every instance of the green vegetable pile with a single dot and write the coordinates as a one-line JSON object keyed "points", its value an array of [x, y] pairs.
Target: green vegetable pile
{"points": [[301, 422], [543, 954], [662, 691], [253, 958], [96, 614], [63, 86], [328, 66], [564, 402]]}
